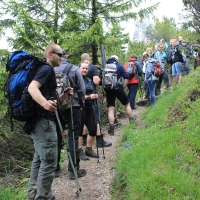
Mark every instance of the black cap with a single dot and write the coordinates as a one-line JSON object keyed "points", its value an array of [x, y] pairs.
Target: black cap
{"points": [[64, 52]]}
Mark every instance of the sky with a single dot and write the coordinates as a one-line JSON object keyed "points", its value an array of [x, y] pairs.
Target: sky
{"points": [[168, 8]]}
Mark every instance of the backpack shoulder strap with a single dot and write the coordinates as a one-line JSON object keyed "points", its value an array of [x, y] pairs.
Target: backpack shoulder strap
{"points": [[67, 69]]}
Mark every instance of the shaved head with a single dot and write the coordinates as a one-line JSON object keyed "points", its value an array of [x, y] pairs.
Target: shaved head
{"points": [[51, 47], [53, 54]]}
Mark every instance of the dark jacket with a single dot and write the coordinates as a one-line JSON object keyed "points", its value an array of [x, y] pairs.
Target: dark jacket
{"points": [[76, 82], [121, 73]]}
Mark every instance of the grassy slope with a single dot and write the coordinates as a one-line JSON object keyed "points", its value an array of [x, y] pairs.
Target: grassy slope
{"points": [[163, 159]]}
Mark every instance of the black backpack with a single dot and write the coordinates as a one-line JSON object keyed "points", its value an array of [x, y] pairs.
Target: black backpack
{"points": [[170, 53]]}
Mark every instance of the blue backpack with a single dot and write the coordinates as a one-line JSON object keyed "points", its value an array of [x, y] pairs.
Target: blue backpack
{"points": [[21, 67]]}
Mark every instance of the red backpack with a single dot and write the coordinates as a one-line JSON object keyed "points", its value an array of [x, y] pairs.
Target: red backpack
{"points": [[156, 69]]}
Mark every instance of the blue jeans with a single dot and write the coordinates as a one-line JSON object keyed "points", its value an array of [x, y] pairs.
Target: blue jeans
{"points": [[176, 69], [186, 66], [151, 85], [132, 94]]}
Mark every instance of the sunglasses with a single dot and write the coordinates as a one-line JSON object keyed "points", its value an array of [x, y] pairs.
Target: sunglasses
{"points": [[58, 54]]}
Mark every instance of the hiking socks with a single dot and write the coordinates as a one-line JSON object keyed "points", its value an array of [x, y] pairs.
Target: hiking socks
{"points": [[84, 140]]}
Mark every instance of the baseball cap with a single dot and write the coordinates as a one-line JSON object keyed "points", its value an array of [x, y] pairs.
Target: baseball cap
{"points": [[64, 52], [115, 57]]}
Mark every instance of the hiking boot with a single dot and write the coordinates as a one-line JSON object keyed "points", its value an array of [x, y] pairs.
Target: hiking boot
{"points": [[52, 197], [102, 143], [131, 119], [111, 130], [80, 173], [167, 88], [134, 108], [157, 92], [89, 152], [57, 173], [82, 155]]}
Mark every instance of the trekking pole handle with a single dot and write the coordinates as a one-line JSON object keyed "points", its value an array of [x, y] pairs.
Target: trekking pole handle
{"points": [[57, 116]]}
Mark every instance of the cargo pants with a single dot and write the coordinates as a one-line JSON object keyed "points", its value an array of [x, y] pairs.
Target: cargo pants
{"points": [[44, 161]]}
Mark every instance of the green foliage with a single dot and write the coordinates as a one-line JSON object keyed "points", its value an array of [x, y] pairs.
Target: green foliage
{"points": [[137, 49], [3, 105], [192, 14], [75, 25], [8, 194], [166, 29], [163, 154]]}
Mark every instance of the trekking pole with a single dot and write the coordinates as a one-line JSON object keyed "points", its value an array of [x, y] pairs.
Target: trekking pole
{"points": [[95, 101], [79, 191], [101, 132], [74, 168]]}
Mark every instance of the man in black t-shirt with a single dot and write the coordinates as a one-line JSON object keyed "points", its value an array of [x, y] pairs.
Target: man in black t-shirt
{"points": [[42, 89]]}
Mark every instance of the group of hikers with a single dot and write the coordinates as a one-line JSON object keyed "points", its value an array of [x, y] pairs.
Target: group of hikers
{"points": [[80, 108]]}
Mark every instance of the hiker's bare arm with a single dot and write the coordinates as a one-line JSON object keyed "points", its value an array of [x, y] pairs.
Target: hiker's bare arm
{"points": [[34, 91], [96, 80]]}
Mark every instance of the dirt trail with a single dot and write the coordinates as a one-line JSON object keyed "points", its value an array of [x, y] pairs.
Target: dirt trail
{"points": [[96, 184]]}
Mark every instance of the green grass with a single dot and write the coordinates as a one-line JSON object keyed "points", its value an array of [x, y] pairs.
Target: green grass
{"points": [[12, 194], [163, 159]]}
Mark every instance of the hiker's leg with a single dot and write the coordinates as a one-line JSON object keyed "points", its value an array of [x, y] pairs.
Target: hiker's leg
{"points": [[83, 128], [110, 99], [179, 72], [111, 114], [174, 74], [128, 110], [170, 73], [146, 89], [91, 124], [45, 158], [166, 78], [179, 79], [33, 176], [187, 66], [123, 98], [132, 94], [59, 143], [158, 85], [135, 89], [73, 136], [152, 92]]}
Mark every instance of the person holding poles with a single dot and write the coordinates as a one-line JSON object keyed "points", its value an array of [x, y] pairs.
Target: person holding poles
{"points": [[73, 115], [42, 89], [88, 117]]}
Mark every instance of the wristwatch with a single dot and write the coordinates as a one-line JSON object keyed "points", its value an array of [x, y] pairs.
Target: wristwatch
{"points": [[88, 97]]}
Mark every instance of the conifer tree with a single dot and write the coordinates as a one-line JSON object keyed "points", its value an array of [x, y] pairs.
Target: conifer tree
{"points": [[192, 14], [75, 25]]}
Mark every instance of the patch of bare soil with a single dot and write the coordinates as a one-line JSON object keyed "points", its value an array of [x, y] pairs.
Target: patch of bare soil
{"points": [[96, 185]]}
